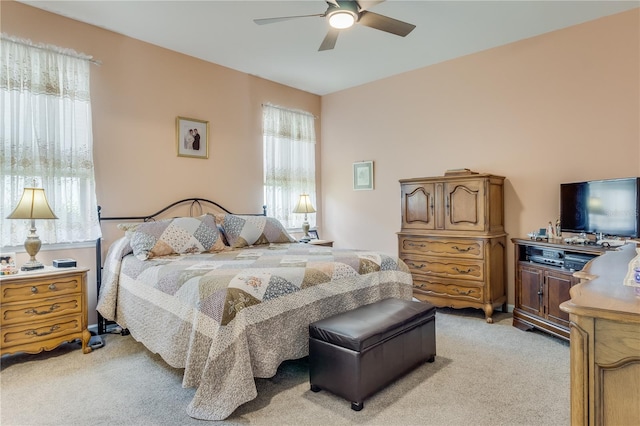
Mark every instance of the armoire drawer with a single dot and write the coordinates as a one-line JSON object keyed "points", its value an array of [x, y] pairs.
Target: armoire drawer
{"points": [[459, 269], [448, 288], [433, 246]]}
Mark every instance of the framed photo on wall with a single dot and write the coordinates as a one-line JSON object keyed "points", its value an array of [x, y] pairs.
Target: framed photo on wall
{"points": [[192, 137], [363, 175]]}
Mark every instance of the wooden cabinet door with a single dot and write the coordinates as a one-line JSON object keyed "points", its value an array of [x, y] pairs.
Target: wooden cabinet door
{"points": [[556, 291], [529, 297], [464, 205], [418, 206]]}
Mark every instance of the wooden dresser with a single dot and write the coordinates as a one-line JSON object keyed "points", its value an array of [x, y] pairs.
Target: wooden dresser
{"points": [[40, 310], [605, 343], [453, 240]]}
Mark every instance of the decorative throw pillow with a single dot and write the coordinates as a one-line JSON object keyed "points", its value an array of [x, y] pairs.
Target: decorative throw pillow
{"points": [[242, 231], [175, 236]]}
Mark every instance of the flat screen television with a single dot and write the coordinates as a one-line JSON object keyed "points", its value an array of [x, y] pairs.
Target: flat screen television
{"points": [[610, 207]]}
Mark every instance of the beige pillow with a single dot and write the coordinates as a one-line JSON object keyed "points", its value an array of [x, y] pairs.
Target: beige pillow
{"points": [[246, 230], [175, 236]]}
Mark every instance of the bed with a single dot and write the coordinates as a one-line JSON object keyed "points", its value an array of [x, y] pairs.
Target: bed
{"points": [[229, 297]]}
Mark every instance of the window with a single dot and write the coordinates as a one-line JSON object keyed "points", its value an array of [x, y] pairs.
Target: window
{"points": [[289, 141], [46, 140]]}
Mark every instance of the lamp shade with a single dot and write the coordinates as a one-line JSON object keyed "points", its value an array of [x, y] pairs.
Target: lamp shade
{"points": [[304, 205], [33, 205]]}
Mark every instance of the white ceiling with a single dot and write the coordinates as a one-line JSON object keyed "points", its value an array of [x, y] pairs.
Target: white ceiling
{"points": [[223, 32]]}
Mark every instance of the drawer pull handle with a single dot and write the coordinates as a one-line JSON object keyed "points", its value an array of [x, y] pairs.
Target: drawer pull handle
{"points": [[464, 293], [461, 250], [44, 333], [52, 287], [34, 311], [422, 265], [460, 271], [416, 245], [34, 289]]}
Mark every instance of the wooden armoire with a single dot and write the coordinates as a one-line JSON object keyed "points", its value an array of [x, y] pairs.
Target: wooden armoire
{"points": [[453, 240]]}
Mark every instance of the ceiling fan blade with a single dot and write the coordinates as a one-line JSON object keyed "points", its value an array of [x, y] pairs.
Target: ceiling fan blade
{"points": [[330, 39], [385, 23], [263, 21]]}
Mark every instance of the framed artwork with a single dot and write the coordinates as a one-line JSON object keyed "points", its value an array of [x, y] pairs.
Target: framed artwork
{"points": [[313, 233], [363, 175], [192, 137], [8, 263]]}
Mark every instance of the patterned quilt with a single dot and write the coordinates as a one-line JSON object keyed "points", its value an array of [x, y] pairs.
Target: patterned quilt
{"points": [[230, 316]]}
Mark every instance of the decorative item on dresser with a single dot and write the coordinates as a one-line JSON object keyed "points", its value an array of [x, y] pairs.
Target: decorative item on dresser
{"points": [[453, 239], [41, 310]]}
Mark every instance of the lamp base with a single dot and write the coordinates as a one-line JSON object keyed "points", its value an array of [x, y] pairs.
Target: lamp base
{"points": [[32, 246], [32, 266], [305, 228]]}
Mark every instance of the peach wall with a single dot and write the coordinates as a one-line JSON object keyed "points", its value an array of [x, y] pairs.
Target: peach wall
{"points": [[560, 107], [137, 93]]}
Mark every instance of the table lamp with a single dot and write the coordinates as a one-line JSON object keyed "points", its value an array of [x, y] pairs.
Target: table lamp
{"points": [[305, 206], [33, 205]]}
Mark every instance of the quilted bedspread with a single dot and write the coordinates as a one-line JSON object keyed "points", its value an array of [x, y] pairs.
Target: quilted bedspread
{"points": [[230, 316]]}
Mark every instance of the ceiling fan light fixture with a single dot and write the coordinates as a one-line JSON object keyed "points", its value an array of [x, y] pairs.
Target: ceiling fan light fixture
{"points": [[342, 19]]}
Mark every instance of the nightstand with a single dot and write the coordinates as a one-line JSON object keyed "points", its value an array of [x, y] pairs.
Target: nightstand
{"points": [[42, 309], [326, 243]]}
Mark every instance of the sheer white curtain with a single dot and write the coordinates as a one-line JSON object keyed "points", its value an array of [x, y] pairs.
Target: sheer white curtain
{"points": [[46, 140], [289, 163]]}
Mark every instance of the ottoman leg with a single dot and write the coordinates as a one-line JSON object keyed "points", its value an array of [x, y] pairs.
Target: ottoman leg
{"points": [[357, 406], [315, 388]]}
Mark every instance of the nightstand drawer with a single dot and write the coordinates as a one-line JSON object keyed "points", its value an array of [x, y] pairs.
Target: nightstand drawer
{"points": [[25, 334], [40, 288], [41, 309]]}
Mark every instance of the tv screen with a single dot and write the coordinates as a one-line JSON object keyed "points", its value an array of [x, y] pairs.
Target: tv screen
{"points": [[601, 206]]}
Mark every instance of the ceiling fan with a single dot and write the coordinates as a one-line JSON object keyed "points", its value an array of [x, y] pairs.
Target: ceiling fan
{"points": [[344, 14]]}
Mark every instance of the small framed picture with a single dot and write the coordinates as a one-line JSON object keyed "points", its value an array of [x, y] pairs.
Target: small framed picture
{"points": [[313, 233], [363, 175], [192, 137], [8, 264]]}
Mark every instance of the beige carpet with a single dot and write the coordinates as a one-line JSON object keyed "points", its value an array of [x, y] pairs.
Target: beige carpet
{"points": [[484, 374]]}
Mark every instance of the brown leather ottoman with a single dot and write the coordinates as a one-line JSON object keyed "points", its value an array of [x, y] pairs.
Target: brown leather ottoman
{"points": [[357, 353]]}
